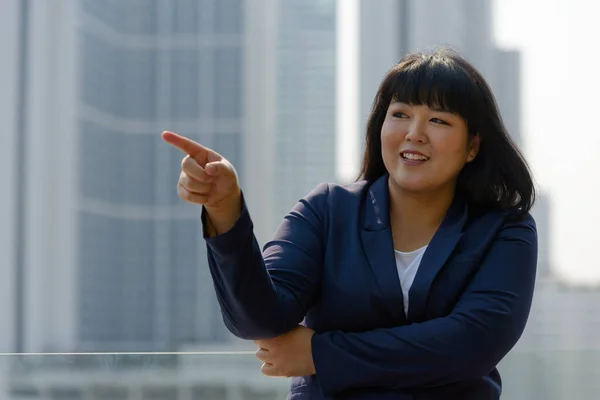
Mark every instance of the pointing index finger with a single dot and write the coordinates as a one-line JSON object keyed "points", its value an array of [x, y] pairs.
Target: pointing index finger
{"points": [[184, 144]]}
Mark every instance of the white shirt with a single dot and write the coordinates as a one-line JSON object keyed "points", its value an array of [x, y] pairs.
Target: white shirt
{"points": [[408, 264]]}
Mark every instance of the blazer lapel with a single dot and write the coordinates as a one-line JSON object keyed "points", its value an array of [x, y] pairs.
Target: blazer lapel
{"points": [[439, 249], [378, 246]]}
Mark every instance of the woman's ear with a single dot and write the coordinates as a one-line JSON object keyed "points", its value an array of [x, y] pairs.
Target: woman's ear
{"points": [[474, 144]]}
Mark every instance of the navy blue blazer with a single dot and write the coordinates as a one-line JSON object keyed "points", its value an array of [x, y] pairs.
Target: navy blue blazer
{"points": [[331, 264]]}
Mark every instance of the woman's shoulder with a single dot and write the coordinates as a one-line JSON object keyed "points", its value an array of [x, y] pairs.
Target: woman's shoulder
{"points": [[500, 223], [334, 193]]}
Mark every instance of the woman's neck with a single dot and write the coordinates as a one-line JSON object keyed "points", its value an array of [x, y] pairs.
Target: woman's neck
{"points": [[415, 217]]}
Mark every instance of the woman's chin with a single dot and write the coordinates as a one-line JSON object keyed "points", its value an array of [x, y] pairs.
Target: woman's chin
{"points": [[410, 185]]}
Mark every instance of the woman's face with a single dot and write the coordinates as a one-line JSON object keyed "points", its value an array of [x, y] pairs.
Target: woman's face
{"points": [[424, 150]]}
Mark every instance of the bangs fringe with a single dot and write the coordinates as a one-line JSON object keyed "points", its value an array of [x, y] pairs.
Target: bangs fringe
{"points": [[432, 81]]}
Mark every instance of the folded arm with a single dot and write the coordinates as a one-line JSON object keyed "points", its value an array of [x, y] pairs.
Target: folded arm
{"points": [[485, 324]]}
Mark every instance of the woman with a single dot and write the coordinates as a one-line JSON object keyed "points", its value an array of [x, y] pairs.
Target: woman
{"points": [[411, 283]]}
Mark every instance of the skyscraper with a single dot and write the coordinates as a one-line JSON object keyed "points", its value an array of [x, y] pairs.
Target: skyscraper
{"points": [[305, 144], [10, 43], [289, 137], [143, 281], [112, 259]]}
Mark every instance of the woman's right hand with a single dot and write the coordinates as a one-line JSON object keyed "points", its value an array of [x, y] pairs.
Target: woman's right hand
{"points": [[207, 179]]}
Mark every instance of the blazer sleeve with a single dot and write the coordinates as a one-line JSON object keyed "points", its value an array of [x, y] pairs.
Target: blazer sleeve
{"points": [[485, 324], [265, 294]]}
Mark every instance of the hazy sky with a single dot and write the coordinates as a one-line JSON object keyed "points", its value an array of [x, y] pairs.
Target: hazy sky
{"points": [[558, 39]]}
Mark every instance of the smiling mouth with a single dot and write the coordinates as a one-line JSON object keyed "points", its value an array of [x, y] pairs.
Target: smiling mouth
{"points": [[414, 157]]}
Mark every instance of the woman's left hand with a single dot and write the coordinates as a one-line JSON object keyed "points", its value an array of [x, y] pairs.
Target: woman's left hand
{"points": [[287, 355]]}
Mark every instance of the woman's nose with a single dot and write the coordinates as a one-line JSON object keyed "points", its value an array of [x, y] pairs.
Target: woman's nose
{"points": [[416, 132]]}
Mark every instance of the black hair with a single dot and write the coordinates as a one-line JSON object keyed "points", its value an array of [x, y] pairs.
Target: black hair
{"points": [[498, 177]]}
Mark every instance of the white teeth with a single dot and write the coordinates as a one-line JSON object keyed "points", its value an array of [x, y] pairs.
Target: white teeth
{"points": [[412, 156]]}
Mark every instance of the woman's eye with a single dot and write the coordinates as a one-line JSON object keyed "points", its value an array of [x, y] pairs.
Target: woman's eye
{"points": [[439, 121], [399, 114]]}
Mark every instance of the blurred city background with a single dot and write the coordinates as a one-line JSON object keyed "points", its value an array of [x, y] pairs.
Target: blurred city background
{"points": [[99, 255]]}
